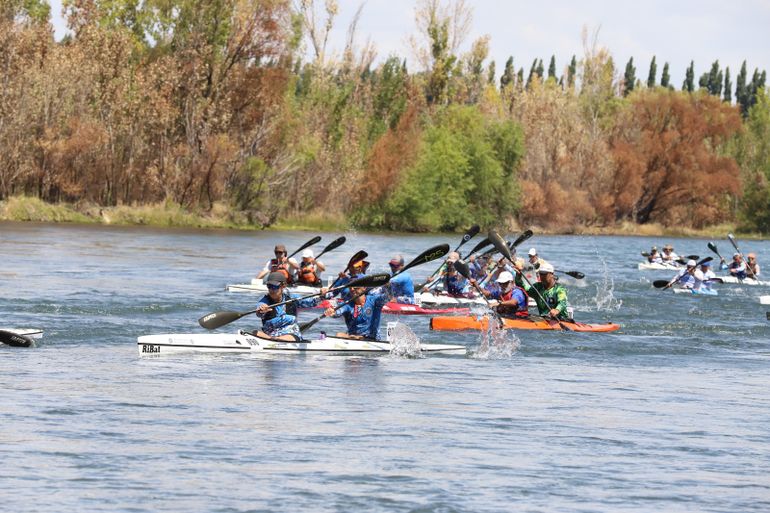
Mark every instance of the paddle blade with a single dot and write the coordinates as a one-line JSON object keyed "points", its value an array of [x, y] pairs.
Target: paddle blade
{"points": [[713, 247], [308, 324], [500, 245], [524, 236], [768, 316], [214, 320], [659, 284], [10, 338], [472, 231], [373, 280], [360, 255], [427, 256], [707, 259], [645, 254], [463, 269], [692, 257], [311, 242], [334, 245], [575, 274], [484, 243]]}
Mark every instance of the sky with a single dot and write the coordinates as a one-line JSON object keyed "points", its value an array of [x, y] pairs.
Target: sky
{"points": [[675, 31]]}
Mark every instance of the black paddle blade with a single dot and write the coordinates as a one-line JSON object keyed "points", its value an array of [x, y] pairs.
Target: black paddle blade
{"points": [[768, 316], [659, 284], [360, 255], [524, 236], [10, 338], [713, 247], [472, 231], [692, 257], [334, 244], [575, 274], [427, 256], [463, 269], [215, 320], [707, 259], [484, 243], [645, 254], [311, 242], [500, 244], [373, 280]]}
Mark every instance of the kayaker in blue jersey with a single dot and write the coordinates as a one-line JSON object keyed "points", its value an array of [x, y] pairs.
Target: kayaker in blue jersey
{"points": [[357, 270], [363, 315], [478, 267], [401, 286], [507, 298], [737, 267], [281, 322], [685, 278], [455, 284]]}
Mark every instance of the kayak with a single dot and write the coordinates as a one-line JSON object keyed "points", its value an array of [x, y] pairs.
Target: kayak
{"points": [[245, 342], [428, 298], [20, 337], [648, 266], [732, 280], [699, 292], [458, 323], [764, 300]]}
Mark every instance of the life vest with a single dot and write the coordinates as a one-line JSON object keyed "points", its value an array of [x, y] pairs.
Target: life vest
{"points": [[307, 273], [283, 268], [289, 309], [522, 310]]}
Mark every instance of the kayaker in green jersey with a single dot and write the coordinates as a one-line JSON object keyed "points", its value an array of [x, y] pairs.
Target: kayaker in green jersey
{"points": [[554, 294]]}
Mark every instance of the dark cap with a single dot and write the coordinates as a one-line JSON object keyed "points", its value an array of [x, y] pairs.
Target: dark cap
{"points": [[280, 247], [276, 278]]}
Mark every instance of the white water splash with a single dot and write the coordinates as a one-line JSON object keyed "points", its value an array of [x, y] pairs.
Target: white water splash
{"points": [[605, 298], [403, 341], [496, 344]]}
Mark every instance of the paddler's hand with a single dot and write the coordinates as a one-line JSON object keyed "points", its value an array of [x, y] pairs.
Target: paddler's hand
{"points": [[329, 312], [263, 309], [342, 275], [554, 312], [324, 291], [494, 303]]}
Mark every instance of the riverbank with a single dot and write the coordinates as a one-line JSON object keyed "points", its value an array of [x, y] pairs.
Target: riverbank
{"points": [[20, 208]]}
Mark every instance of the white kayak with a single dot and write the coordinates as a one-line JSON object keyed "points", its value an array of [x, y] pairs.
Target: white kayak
{"points": [[699, 292], [260, 287], [648, 266], [19, 337], [732, 280], [245, 342], [764, 300]]}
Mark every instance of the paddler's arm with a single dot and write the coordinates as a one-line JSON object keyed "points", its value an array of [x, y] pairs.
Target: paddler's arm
{"points": [[561, 304]]}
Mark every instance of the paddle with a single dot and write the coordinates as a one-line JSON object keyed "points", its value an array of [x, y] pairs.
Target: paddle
{"points": [[483, 244], [215, 320], [314, 240], [735, 245], [15, 340], [683, 260], [664, 284], [332, 246], [357, 257], [472, 231], [503, 248], [575, 274], [713, 247], [463, 269], [424, 257], [526, 235]]}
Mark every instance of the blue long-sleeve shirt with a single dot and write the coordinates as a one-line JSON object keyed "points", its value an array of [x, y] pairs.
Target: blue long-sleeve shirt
{"points": [[283, 316], [402, 288], [364, 320]]}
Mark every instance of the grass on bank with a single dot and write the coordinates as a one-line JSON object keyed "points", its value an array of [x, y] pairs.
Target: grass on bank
{"points": [[21, 208]]}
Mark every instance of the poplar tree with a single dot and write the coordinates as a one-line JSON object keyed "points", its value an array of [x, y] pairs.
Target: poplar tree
{"points": [[665, 78], [491, 73], [540, 69], [689, 78], [552, 68], [508, 75], [532, 72], [653, 72], [728, 97], [520, 77], [715, 79], [740, 90], [629, 80], [571, 72]]}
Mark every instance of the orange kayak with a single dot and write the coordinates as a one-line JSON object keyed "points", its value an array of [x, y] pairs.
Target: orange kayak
{"points": [[467, 322]]}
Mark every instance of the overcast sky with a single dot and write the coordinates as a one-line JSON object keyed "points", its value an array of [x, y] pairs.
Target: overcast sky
{"points": [[676, 31]]}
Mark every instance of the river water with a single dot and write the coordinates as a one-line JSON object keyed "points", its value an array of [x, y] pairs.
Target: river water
{"points": [[671, 414]]}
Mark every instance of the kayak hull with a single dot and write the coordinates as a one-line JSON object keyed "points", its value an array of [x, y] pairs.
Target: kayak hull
{"points": [[243, 342], [460, 323], [20, 337], [732, 280], [693, 292], [647, 266]]}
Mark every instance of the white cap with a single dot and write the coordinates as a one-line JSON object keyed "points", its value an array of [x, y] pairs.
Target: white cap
{"points": [[532, 252], [545, 268], [736, 255], [454, 256], [691, 263], [504, 277], [308, 253]]}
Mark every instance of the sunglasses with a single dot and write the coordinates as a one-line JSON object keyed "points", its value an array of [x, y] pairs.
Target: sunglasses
{"points": [[273, 287], [280, 253]]}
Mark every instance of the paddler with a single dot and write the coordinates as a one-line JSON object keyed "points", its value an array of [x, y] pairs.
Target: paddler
{"points": [[669, 256], [509, 299], [310, 269], [535, 261], [752, 265], [737, 267], [703, 277], [685, 278], [281, 322], [357, 270], [550, 296], [363, 314], [654, 257], [455, 285], [401, 286], [281, 264]]}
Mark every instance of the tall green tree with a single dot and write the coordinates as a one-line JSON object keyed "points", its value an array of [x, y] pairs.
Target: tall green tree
{"points": [[629, 77], [665, 78], [741, 92], [509, 74], [652, 73], [552, 68], [571, 72], [689, 78], [532, 73], [540, 69], [728, 96], [752, 151]]}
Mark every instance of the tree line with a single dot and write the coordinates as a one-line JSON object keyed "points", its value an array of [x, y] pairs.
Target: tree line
{"points": [[213, 105]]}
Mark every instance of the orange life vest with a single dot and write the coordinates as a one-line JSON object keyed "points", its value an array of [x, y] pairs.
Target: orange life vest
{"points": [[283, 268], [307, 273]]}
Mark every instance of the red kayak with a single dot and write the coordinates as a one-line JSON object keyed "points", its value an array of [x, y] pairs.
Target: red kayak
{"points": [[468, 322], [407, 309]]}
